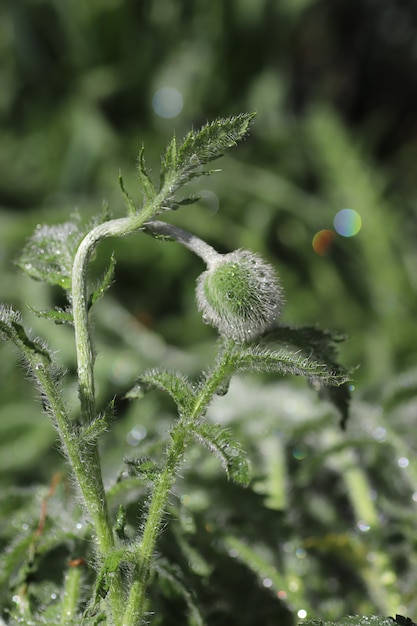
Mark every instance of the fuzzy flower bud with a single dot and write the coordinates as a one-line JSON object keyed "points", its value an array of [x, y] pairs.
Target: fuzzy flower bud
{"points": [[240, 295]]}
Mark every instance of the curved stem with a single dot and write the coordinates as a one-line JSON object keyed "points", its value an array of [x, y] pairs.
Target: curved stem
{"points": [[190, 241], [86, 463]]}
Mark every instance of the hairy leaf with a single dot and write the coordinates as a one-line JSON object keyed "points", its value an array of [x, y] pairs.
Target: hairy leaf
{"points": [[174, 383], [49, 253], [183, 163], [284, 361], [143, 468], [11, 328], [104, 283], [320, 345], [130, 205], [220, 443], [148, 187]]}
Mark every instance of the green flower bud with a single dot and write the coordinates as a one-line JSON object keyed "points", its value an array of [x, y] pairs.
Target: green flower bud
{"points": [[240, 295]]}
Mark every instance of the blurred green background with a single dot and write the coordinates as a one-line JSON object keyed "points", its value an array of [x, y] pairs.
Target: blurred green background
{"points": [[334, 82]]}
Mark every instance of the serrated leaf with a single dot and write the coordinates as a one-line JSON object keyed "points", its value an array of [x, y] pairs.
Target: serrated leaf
{"points": [[104, 283], [130, 205], [169, 160], [174, 383], [220, 443], [320, 345], [11, 328], [182, 164], [143, 468], [49, 253], [148, 187], [285, 361], [209, 143], [57, 315], [91, 433]]}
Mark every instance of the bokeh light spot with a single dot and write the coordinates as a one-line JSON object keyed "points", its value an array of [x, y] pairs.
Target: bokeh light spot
{"points": [[322, 241], [403, 462], [302, 613], [347, 222], [167, 102], [299, 452]]}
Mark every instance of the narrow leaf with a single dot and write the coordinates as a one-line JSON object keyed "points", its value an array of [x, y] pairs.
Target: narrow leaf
{"points": [[91, 433], [57, 315], [148, 187], [169, 161], [174, 576], [354, 620], [284, 361], [174, 383], [130, 205], [11, 328], [220, 443], [105, 282]]}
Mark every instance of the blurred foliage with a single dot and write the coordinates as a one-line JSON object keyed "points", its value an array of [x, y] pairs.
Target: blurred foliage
{"points": [[328, 524]]}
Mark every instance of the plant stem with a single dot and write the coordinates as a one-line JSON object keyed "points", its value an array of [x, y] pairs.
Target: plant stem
{"points": [[72, 587], [179, 436], [85, 466], [86, 462], [190, 241]]}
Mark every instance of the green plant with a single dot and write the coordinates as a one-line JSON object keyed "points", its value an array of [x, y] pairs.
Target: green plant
{"points": [[240, 295]]}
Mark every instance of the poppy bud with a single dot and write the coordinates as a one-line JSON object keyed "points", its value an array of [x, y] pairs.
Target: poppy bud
{"points": [[240, 295]]}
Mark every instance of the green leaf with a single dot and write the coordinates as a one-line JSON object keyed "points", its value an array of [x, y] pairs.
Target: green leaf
{"points": [[174, 383], [49, 253], [13, 556], [168, 161], [104, 283], [130, 205], [143, 468], [320, 345], [148, 187], [354, 620], [209, 143], [182, 164], [284, 361], [174, 576], [57, 315], [220, 443], [11, 328]]}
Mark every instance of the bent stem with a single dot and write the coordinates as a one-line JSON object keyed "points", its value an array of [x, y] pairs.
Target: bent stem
{"points": [[135, 610], [86, 464]]}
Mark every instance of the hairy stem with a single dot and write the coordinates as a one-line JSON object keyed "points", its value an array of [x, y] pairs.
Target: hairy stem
{"points": [[190, 241], [179, 438], [83, 464], [86, 463]]}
